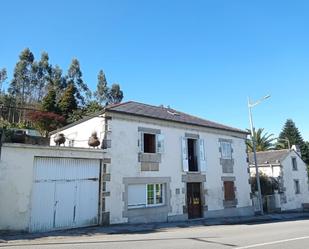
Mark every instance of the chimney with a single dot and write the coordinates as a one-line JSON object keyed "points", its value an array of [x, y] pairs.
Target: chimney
{"points": [[296, 148]]}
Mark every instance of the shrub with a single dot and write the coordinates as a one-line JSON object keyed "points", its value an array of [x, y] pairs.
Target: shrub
{"points": [[46, 121]]}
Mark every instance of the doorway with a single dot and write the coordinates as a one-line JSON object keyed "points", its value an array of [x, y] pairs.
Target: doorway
{"points": [[194, 201]]}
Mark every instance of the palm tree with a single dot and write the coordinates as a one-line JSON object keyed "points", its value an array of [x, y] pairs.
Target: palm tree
{"points": [[263, 141]]}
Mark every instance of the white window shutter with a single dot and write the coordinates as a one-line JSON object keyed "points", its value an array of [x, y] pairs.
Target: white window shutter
{"points": [[160, 143], [202, 158], [141, 141], [184, 150]]}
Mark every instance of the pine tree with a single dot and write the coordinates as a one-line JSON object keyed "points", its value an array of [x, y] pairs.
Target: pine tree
{"points": [[49, 102], [68, 103], [101, 94], [115, 95], [291, 132]]}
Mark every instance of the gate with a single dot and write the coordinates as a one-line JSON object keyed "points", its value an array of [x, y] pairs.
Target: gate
{"points": [[65, 193]]}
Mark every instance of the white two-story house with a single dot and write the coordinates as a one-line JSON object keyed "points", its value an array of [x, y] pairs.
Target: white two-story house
{"points": [[290, 171], [165, 165]]}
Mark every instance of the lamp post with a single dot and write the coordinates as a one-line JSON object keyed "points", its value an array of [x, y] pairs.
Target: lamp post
{"points": [[250, 106], [286, 140]]}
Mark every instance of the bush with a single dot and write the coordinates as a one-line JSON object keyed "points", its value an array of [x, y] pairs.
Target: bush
{"points": [[46, 122], [268, 184]]}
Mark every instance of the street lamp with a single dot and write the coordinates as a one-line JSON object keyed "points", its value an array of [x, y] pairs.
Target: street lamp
{"points": [[286, 140], [250, 106]]}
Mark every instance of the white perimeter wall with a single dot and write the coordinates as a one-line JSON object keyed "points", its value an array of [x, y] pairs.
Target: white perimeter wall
{"points": [[16, 178]]}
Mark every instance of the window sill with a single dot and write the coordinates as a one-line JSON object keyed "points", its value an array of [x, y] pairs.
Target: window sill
{"points": [[146, 207]]}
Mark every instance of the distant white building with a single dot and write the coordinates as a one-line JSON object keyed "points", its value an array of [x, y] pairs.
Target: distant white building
{"points": [[287, 167], [166, 165]]}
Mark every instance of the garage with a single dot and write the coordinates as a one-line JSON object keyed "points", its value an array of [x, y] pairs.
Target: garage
{"points": [[65, 193]]}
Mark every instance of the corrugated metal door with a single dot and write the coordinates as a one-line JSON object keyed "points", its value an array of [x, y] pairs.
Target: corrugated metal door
{"points": [[65, 193]]}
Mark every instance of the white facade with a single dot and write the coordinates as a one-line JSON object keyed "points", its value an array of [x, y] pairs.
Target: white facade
{"points": [[131, 169], [78, 135], [290, 197], [48, 188]]}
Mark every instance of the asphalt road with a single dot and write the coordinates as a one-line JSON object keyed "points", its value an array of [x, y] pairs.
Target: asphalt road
{"points": [[283, 235]]}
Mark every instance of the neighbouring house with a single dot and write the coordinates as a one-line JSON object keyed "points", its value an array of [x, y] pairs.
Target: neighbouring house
{"points": [[165, 165], [289, 171]]}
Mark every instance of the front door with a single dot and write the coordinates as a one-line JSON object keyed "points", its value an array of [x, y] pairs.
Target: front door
{"points": [[194, 200]]}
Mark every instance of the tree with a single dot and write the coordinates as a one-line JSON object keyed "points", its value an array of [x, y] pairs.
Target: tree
{"points": [[57, 82], [291, 132], [43, 72], [46, 122], [92, 107], [21, 84], [115, 94], [68, 103], [263, 141], [268, 184], [49, 102], [74, 77], [3, 77], [101, 94]]}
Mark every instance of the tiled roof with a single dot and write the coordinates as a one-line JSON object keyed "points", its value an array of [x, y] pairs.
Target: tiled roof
{"points": [[156, 112], [166, 113], [269, 157]]}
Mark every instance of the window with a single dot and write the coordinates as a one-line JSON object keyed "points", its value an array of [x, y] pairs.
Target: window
{"points": [[192, 155], [296, 186], [229, 191], [154, 194], [226, 150], [149, 143], [145, 195], [294, 163]]}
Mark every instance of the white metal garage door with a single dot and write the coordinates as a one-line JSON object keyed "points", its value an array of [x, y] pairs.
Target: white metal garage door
{"points": [[65, 193]]}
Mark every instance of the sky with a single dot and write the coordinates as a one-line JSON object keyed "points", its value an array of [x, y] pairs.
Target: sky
{"points": [[201, 57]]}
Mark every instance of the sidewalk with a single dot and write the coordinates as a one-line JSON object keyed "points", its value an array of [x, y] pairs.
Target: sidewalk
{"points": [[73, 234]]}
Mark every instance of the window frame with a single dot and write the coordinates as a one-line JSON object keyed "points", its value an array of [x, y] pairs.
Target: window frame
{"points": [[155, 204], [296, 186], [155, 142], [223, 150], [294, 165]]}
